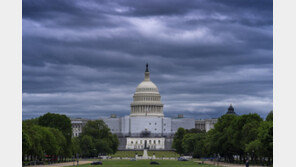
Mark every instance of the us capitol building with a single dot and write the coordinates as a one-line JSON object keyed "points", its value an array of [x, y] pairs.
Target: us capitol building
{"points": [[146, 122]]}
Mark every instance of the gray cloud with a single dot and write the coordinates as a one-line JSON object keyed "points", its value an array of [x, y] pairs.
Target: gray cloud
{"points": [[85, 58]]}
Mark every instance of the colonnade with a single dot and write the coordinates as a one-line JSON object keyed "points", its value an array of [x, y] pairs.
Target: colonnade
{"points": [[146, 109]]}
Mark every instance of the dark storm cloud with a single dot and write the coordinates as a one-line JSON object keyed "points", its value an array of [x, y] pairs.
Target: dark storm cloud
{"points": [[85, 58]]}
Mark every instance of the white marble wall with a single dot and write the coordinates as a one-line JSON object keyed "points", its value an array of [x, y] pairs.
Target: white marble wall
{"points": [[152, 124], [113, 124], [186, 123], [156, 125], [139, 143]]}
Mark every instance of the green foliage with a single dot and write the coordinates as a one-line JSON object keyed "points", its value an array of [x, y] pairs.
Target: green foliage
{"points": [[76, 146], [193, 144], [35, 137], [269, 116], [220, 137], [26, 143], [46, 135], [60, 122], [60, 141], [177, 142], [265, 136], [31, 122], [245, 135], [87, 146], [96, 139], [242, 131], [255, 147]]}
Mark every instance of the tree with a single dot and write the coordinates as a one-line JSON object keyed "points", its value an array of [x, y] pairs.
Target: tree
{"points": [[62, 123], [87, 146], [97, 129], [31, 122], [265, 136], [177, 141], [255, 148], [39, 141], [269, 116], [26, 144], [194, 144], [35, 149], [211, 144], [76, 146], [219, 137], [242, 131], [60, 140], [48, 141], [96, 138]]}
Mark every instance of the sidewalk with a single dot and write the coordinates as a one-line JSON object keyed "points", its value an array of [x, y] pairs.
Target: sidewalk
{"points": [[225, 164], [62, 164]]}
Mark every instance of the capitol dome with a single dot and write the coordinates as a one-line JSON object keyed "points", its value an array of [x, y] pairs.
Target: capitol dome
{"points": [[146, 86], [147, 99]]}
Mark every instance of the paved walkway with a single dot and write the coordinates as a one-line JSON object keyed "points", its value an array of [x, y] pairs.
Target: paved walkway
{"points": [[62, 164], [225, 164]]}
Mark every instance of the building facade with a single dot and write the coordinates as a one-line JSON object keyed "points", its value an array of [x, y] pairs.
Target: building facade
{"points": [[77, 125], [146, 122], [205, 124]]}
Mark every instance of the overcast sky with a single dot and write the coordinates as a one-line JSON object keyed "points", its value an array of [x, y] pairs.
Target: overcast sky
{"points": [[86, 58]]}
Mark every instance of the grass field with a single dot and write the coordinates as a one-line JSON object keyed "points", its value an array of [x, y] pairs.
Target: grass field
{"points": [[145, 163], [158, 154]]}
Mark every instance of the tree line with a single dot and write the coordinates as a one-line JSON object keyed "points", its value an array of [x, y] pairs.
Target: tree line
{"points": [[233, 138], [50, 137]]}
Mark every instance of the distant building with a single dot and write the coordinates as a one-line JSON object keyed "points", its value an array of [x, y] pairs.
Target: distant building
{"points": [[146, 122], [205, 124], [231, 110], [77, 125]]}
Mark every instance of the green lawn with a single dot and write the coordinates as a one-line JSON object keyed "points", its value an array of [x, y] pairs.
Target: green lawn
{"points": [[145, 163], [158, 154]]}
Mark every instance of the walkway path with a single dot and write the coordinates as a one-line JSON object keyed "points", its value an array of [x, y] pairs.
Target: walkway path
{"points": [[62, 164]]}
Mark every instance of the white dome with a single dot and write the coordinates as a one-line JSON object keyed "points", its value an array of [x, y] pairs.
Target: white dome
{"points": [[147, 86], [147, 99]]}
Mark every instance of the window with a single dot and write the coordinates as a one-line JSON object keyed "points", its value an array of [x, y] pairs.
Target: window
{"points": [[163, 129], [164, 124], [155, 123], [132, 142], [158, 141], [149, 123], [155, 129]]}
